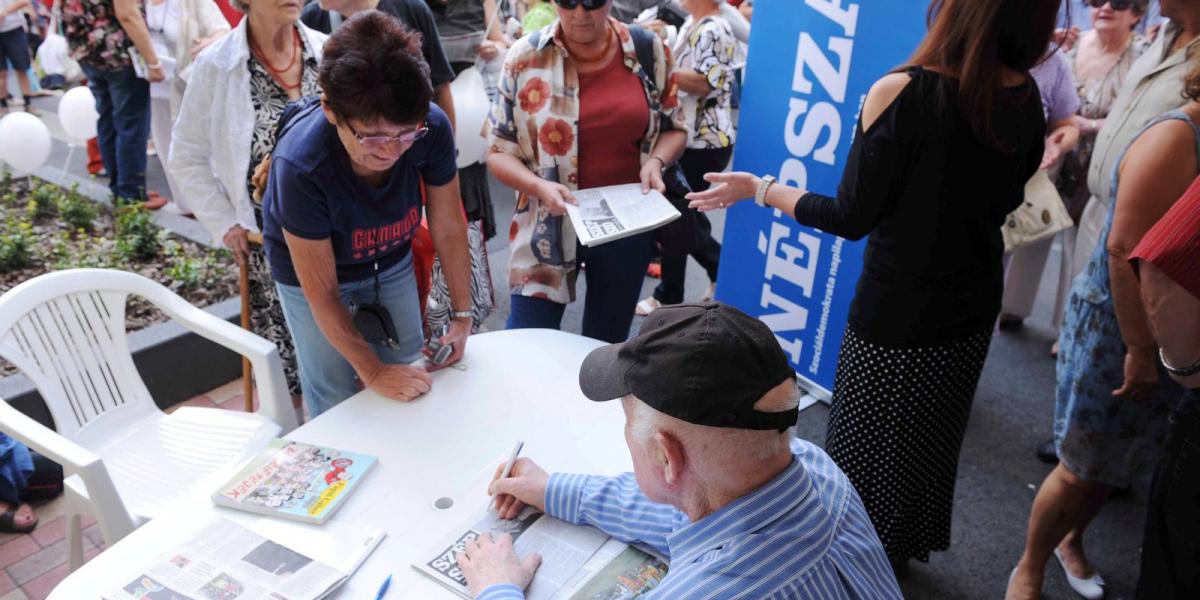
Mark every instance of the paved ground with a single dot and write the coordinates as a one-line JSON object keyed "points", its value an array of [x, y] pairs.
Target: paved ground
{"points": [[998, 474]]}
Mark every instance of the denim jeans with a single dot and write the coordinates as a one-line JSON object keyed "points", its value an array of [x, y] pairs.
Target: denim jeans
{"points": [[615, 272], [123, 102], [326, 377]]}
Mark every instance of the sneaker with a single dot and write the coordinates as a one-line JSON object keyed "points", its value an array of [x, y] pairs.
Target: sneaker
{"points": [[647, 306]]}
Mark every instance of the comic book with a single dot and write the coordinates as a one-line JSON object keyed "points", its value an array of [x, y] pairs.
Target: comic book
{"points": [[295, 481]]}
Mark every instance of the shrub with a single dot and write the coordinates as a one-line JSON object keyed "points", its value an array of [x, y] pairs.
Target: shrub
{"points": [[76, 211], [16, 244], [43, 200], [137, 236]]}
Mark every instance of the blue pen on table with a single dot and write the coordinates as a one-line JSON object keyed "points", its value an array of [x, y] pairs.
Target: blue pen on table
{"points": [[383, 588], [508, 466]]}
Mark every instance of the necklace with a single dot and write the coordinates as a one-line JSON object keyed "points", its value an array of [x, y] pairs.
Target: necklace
{"points": [[583, 58], [278, 74]]}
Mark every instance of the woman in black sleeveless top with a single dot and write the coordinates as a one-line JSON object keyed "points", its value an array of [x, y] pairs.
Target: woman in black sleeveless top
{"points": [[942, 154]]}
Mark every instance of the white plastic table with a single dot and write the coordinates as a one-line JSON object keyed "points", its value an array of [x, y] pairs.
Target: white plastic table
{"points": [[519, 384]]}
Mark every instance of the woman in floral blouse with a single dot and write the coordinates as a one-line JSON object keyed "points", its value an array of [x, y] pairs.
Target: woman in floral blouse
{"points": [[577, 111]]}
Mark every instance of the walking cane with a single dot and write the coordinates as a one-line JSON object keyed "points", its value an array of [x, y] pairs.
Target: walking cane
{"points": [[244, 289]]}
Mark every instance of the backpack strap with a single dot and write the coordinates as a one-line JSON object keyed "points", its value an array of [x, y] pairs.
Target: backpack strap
{"points": [[298, 108]]}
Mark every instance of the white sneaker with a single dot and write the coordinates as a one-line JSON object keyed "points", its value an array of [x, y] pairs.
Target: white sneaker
{"points": [[1091, 588], [647, 306]]}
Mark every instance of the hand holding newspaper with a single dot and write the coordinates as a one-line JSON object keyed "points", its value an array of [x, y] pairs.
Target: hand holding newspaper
{"points": [[610, 213]]}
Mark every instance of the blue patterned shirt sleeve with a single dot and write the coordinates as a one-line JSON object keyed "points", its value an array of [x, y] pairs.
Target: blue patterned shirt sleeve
{"points": [[501, 591], [614, 505]]}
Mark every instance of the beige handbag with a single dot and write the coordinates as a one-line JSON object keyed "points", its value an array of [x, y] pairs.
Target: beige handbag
{"points": [[1041, 215]]}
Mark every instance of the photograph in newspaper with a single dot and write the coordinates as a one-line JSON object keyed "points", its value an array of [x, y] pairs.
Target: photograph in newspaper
{"points": [[610, 213], [629, 574], [229, 562], [565, 549]]}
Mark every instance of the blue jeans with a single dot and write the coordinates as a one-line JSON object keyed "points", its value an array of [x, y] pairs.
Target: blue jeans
{"points": [[615, 272], [326, 377], [123, 102]]}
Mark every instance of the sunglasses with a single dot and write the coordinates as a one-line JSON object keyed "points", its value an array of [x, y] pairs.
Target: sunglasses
{"points": [[379, 142], [1115, 4], [587, 4]]}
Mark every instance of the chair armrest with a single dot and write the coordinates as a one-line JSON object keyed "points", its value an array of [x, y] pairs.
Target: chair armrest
{"points": [[274, 402], [114, 518]]}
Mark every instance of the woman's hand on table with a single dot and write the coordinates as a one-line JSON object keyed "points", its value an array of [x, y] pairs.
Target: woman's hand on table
{"points": [[486, 561], [727, 189], [399, 382], [460, 330], [524, 486], [555, 196]]}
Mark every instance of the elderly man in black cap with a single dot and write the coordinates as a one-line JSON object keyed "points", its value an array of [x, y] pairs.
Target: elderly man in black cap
{"points": [[720, 488]]}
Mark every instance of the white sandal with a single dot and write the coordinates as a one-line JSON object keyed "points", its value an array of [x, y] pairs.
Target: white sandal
{"points": [[647, 306], [1091, 588]]}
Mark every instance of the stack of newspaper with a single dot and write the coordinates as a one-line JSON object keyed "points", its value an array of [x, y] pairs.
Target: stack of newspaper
{"points": [[222, 559]]}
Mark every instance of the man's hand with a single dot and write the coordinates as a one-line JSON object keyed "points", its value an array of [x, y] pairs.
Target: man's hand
{"points": [[1141, 373], [525, 485], [238, 242], [488, 50], [651, 176], [398, 382], [155, 74], [555, 196], [486, 562], [460, 330]]}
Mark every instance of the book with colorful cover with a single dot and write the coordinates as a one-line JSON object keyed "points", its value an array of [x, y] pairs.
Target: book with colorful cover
{"points": [[292, 480]]}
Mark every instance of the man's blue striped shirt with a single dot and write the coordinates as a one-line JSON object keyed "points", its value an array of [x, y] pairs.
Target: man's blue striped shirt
{"points": [[805, 534]]}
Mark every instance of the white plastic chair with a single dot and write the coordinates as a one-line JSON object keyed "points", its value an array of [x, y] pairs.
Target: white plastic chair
{"points": [[125, 460]]}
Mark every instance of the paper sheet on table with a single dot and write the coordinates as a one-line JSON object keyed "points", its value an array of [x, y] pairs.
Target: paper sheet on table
{"points": [[610, 213]]}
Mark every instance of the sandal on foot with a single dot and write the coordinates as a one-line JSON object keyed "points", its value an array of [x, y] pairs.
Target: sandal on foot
{"points": [[8, 521], [1091, 588]]}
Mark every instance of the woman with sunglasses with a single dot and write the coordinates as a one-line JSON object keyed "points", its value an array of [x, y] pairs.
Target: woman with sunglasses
{"points": [[342, 202], [577, 110]]}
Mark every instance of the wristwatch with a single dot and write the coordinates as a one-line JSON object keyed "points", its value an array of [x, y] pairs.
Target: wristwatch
{"points": [[760, 195], [462, 314]]}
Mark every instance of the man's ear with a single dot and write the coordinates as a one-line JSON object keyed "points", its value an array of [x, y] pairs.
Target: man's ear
{"points": [[329, 116], [671, 455]]}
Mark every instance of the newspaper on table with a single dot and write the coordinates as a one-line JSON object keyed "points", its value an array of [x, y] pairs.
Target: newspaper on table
{"points": [[226, 561], [610, 213], [578, 562]]}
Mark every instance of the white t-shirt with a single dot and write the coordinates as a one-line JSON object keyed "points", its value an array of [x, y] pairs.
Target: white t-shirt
{"points": [[163, 22], [12, 21]]}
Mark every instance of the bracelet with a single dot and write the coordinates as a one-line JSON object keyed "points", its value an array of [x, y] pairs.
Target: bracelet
{"points": [[462, 314], [1191, 369], [660, 161]]}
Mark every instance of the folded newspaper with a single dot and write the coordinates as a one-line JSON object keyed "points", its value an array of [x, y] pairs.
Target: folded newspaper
{"points": [[578, 562], [610, 213], [226, 561]]}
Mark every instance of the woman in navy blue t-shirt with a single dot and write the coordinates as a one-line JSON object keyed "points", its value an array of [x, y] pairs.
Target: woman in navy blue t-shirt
{"points": [[341, 206]]}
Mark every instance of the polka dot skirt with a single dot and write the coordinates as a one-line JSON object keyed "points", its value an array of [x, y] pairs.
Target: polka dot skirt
{"points": [[896, 428]]}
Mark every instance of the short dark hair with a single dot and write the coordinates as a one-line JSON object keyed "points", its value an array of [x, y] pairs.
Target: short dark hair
{"points": [[373, 69]]}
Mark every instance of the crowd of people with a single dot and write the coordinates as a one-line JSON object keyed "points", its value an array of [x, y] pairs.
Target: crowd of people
{"points": [[317, 143]]}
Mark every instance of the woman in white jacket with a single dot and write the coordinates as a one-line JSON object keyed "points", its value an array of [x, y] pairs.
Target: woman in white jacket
{"points": [[179, 30], [238, 88]]}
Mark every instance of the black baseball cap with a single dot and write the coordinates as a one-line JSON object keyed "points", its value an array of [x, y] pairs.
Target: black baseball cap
{"points": [[705, 363]]}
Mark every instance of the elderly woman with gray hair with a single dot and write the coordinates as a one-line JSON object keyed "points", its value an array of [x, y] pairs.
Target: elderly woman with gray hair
{"points": [[226, 127]]}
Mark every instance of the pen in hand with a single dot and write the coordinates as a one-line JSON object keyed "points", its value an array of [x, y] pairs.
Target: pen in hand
{"points": [[508, 466]]}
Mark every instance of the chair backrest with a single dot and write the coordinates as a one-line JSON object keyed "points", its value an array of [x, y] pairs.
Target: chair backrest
{"points": [[66, 332]]}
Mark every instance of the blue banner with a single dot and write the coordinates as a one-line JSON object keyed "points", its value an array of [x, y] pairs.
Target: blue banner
{"points": [[811, 63]]}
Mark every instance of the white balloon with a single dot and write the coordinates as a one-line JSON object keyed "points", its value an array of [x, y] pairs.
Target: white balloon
{"points": [[471, 108], [77, 113], [24, 141]]}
